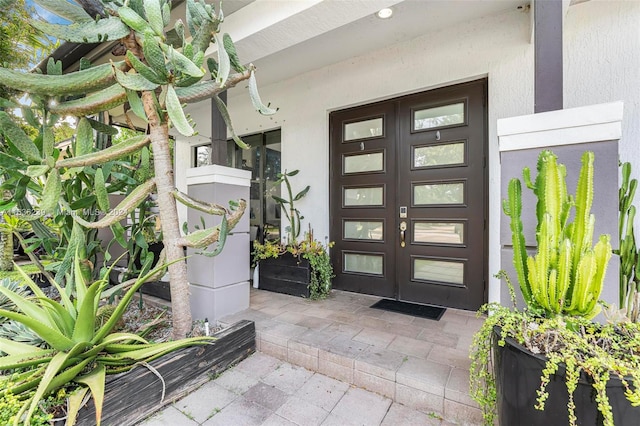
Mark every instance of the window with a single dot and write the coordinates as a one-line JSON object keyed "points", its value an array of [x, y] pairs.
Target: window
{"points": [[263, 160]]}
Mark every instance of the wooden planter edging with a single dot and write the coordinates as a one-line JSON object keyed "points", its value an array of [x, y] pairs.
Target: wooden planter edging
{"points": [[133, 396]]}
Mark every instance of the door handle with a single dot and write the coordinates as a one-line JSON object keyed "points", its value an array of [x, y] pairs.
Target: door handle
{"points": [[403, 228]]}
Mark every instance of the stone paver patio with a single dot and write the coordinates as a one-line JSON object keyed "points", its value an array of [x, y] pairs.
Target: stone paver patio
{"points": [[339, 362]]}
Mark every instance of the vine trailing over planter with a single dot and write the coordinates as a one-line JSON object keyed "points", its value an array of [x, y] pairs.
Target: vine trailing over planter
{"points": [[560, 285]]}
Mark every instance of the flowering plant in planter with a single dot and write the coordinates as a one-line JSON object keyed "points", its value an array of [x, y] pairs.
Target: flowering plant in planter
{"points": [[561, 286], [309, 249]]}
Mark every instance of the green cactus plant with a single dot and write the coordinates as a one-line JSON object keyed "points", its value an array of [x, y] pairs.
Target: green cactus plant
{"points": [[290, 211], [566, 275], [629, 295], [162, 69]]}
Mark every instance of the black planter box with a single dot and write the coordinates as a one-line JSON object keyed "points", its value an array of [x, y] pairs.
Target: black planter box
{"points": [[161, 289], [518, 372], [285, 274]]}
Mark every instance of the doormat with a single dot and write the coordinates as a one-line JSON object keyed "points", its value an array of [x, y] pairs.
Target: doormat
{"points": [[422, 311]]}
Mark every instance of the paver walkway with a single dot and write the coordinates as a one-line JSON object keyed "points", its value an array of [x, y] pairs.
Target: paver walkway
{"points": [[420, 363], [263, 390]]}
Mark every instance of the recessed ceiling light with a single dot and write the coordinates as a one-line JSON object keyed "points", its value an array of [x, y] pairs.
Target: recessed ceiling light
{"points": [[384, 13]]}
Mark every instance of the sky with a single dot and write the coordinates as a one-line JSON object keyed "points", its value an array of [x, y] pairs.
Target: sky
{"points": [[45, 14]]}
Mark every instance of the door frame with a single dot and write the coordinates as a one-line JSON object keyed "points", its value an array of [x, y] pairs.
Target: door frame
{"points": [[335, 223]]}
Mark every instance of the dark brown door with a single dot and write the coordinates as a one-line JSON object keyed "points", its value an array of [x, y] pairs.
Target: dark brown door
{"points": [[408, 197]]}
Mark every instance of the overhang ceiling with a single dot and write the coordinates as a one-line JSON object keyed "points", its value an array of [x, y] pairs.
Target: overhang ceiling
{"points": [[347, 29]]}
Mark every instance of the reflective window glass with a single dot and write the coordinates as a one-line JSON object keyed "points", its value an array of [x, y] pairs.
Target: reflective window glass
{"points": [[442, 116], [439, 271], [363, 230], [363, 129], [438, 193], [438, 155], [368, 196], [363, 263]]}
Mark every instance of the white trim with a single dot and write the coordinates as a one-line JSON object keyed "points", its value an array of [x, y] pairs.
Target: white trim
{"points": [[218, 174], [586, 124]]}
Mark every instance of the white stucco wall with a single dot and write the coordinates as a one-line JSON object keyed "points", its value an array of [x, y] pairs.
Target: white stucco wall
{"points": [[602, 64], [600, 67]]}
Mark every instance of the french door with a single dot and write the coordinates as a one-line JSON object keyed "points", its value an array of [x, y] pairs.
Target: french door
{"points": [[408, 197]]}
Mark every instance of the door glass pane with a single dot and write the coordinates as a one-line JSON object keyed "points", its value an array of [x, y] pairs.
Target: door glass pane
{"points": [[438, 155], [270, 172], [438, 232], [363, 129], [446, 115], [263, 161], [363, 263], [437, 270], [359, 163], [438, 193], [361, 230], [370, 196]]}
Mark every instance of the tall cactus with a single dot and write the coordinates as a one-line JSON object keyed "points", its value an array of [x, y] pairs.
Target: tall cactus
{"points": [[566, 274], [161, 70], [629, 254]]}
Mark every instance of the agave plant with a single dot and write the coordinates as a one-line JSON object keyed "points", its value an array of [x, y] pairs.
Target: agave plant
{"points": [[78, 349], [14, 286], [566, 275]]}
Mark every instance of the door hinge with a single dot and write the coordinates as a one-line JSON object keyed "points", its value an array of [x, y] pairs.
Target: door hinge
{"points": [[484, 162]]}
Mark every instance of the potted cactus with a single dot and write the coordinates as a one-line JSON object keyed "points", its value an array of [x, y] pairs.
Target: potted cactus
{"points": [[550, 359]]}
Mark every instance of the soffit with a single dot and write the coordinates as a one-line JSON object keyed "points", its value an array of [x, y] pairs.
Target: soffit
{"points": [[331, 31]]}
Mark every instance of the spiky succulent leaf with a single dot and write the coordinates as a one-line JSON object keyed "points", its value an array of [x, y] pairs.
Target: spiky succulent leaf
{"points": [[18, 137], [52, 336], [93, 103], [255, 97], [222, 107], [153, 13], [95, 380], [134, 81], [75, 83], [65, 9], [13, 347], [85, 32], [133, 19], [20, 334], [176, 113], [16, 288]]}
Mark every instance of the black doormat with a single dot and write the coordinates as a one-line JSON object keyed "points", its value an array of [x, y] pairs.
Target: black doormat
{"points": [[422, 311]]}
